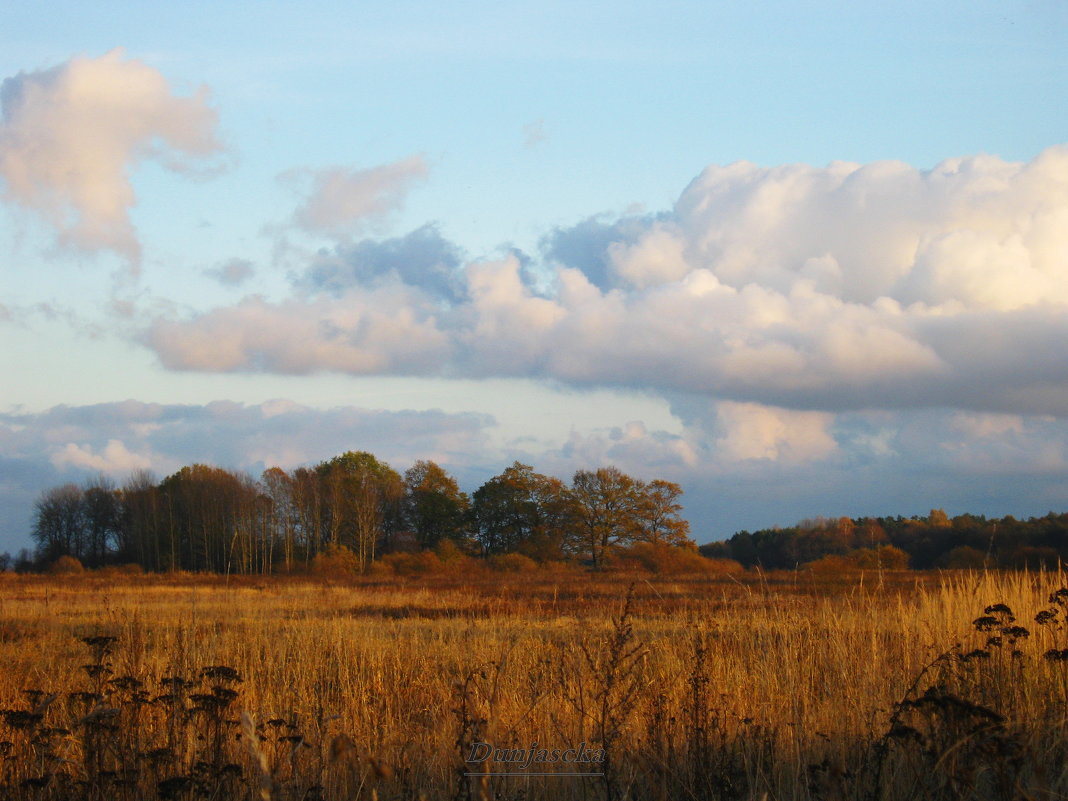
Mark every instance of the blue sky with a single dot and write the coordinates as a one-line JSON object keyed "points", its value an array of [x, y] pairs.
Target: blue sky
{"points": [[803, 258]]}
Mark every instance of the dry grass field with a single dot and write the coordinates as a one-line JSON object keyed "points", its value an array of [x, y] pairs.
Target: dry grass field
{"points": [[892, 686]]}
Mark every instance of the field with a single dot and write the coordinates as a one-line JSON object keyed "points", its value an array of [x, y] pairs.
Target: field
{"points": [[868, 686]]}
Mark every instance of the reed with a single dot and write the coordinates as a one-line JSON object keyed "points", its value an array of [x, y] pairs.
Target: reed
{"points": [[871, 686]]}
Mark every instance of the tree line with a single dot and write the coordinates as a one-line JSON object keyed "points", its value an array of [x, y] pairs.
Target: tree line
{"points": [[205, 518], [923, 542]]}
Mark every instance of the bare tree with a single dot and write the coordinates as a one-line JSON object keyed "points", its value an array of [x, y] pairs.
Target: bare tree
{"points": [[59, 526]]}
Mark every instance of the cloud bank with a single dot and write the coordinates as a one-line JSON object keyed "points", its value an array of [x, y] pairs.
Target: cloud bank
{"points": [[73, 443], [843, 287], [70, 136], [742, 465]]}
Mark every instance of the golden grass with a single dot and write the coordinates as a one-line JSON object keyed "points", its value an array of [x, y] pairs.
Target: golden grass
{"points": [[733, 687]]}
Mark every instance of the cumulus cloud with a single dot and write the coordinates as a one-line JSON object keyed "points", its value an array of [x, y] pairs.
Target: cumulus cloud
{"points": [[844, 287], [71, 134], [422, 258], [752, 431], [391, 329], [586, 246], [339, 201], [114, 458]]}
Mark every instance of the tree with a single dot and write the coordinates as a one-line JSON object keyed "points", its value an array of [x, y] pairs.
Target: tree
{"points": [[657, 511], [140, 537], [204, 512], [521, 511], [308, 508], [605, 505], [435, 509], [103, 519], [363, 502], [59, 526], [279, 490]]}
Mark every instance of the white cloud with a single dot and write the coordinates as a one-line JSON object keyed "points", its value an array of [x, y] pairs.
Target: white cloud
{"points": [[752, 431], [71, 134], [114, 458], [796, 287], [389, 329], [340, 201]]}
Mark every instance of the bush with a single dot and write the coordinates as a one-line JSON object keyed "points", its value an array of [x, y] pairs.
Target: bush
{"points": [[66, 566], [407, 564], [671, 559], [963, 557], [335, 561], [380, 569], [448, 551], [885, 557], [512, 563]]}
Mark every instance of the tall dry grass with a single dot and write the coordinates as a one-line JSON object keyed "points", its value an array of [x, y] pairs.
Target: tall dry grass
{"points": [[870, 687]]}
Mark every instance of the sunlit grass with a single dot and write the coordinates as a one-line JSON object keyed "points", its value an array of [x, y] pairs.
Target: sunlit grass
{"points": [[735, 686]]}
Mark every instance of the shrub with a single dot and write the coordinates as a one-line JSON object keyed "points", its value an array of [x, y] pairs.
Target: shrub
{"points": [[672, 559], [407, 564], [885, 557], [66, 566], [131, 569], [964, 557], [832, 563], [335, 561], [449, 551], [512, 563], [380, 569]]}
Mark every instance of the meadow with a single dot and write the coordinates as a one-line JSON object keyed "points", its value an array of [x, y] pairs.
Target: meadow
{"points": [[892, 685]]}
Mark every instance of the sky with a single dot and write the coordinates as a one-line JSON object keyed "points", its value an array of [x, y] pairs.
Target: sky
{"points": [[805, 259]]}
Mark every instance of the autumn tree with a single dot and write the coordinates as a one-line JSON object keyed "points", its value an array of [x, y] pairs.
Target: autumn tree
{"points": [[605, 506], [658, 514], [522, 511], [205, 516], [283, 518], [363, 502], [434, 507], [307, 500], [140, 537]]}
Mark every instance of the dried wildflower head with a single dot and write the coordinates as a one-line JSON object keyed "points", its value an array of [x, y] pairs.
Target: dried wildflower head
{"points": [[1015, 633], [127, 683], [1046, 616], [221, 673], [21, 719], [96, 670], [999, 609]]}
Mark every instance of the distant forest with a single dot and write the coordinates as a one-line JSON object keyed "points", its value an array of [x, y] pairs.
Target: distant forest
{"points": [[205, 518], [922, 543]]}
